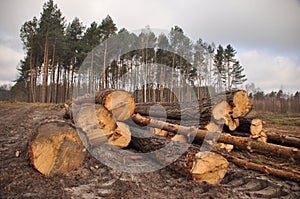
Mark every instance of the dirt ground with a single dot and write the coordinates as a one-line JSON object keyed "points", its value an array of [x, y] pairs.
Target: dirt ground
{"points": [[18, 179]]}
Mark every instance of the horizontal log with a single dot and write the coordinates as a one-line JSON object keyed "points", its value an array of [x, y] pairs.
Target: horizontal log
{"points": [[201, 167], [242, 143]]}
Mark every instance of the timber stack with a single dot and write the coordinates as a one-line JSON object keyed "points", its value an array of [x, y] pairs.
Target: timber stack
{"points": [[112, 117]]}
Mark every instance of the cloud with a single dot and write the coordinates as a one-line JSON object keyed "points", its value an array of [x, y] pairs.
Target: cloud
{"points": [[264, 28], [271, 72], [9, 59]]}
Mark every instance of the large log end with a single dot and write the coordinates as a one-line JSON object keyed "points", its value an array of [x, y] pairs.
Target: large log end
{"points": [[120, 103], [56, 150], [209, 167]]}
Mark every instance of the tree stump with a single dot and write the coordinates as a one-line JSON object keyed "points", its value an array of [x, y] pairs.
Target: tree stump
{"points": [[57, 149]]}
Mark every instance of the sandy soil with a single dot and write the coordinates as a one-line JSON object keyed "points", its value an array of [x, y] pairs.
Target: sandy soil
{"points": [[18, 179]]}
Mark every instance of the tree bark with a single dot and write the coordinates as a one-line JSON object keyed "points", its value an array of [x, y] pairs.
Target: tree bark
{"points": [[289, 175], [45, 73], [242, 143], [201, 167]]}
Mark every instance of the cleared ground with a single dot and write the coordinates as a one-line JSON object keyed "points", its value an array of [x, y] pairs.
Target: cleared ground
{"points": [[18, 179]]}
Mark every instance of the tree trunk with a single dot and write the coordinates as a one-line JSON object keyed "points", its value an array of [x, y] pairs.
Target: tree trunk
{"points": [[103, 86], [97, 125], [289, 175], [240, 103], [31, 81], [57, 149], [242, 143], [45, 73], [199, 166], [120, 103], [91, 77]]}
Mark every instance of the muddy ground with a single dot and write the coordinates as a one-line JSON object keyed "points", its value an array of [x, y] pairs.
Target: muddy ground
{"points": [[18, 179]]}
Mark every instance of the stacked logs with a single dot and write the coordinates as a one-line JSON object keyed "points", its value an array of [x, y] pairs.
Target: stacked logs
{"points": [[110, 117]]}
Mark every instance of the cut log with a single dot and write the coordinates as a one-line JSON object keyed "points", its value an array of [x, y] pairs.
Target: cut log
{"points": [[99, 127], [176, 111], [96, 123], [280, 138], [253, 127], [242, 143], [121, 136], [289, 175], [209, 167], [120, 103], [57, 149], [201, 167], [226, 108], [222, 112], [240, 103]]}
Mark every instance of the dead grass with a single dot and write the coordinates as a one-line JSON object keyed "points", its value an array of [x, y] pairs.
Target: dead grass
{"points": [[282, 119]]}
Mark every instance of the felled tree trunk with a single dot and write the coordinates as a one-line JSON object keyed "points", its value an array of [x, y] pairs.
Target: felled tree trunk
{"points": [[240, 103], [56, 149], [289, 175], [119, 103], [199, 166], [225, 109], [254, 128], [280, 138], [98, 126], [242, 143]]}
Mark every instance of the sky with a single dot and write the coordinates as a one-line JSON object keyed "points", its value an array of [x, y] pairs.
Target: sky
{"points": [[265, 33]]}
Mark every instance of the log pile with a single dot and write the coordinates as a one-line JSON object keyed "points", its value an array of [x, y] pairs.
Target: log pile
{"points": [[115, 118]]}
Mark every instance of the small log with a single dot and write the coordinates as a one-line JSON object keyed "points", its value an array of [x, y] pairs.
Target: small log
{"points": [[56, 149], [250, 126], [201, 167], [289, 175], [98, 126], [120, 103], [242, 143]]}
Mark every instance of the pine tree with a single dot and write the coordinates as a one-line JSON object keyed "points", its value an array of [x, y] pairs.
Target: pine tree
{"points": [[219, 66], [28, 35], [237, 74], [51, 28], [74, 34], [91, 39], [108, 28]]}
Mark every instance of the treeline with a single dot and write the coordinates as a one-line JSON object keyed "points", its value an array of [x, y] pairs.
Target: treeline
{"points": [[276, 101], [65, 60]]}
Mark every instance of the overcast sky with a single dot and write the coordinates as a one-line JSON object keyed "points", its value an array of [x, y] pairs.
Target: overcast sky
{"points": [[265, 33]]}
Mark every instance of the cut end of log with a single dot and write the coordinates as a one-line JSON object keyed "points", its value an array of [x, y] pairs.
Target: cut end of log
{"points": [[96, 123], [179, 138], [256, 126], [56, 150], [159, 132], [213, 127], [242, 104], [209, 167], [221, 112], [122, 136], [120, 103], [99, 127]]}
